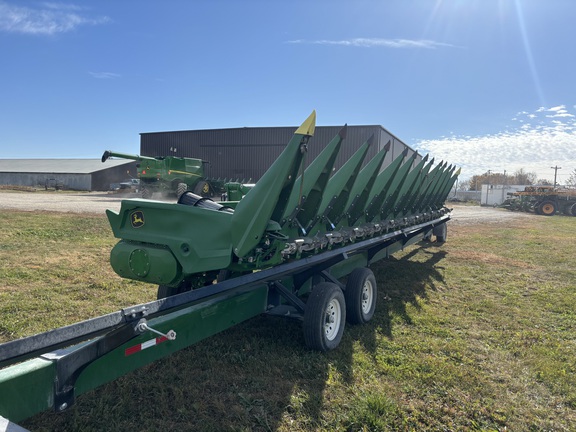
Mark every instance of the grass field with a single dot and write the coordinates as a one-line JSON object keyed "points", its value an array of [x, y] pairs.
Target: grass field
{"points": [[479, 334]]}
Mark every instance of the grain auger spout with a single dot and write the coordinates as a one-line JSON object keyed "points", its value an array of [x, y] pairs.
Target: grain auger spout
{"points": [[109, 153]]}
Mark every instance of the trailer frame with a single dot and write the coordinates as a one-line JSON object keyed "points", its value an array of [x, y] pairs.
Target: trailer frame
{"points": [[50, 369]]}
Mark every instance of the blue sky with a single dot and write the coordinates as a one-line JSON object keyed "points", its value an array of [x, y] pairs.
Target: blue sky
{"points": [[483, 84]]}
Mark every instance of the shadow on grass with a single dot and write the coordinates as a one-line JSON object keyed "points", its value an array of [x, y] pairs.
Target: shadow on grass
{"points": [[256, 376], [401, 281]]}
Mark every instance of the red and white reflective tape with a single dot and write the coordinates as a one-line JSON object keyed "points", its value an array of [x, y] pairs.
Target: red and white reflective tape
{"points": [[143, 346]]}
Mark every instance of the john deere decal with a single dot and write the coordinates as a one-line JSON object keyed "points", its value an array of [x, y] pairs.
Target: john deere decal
{"points": [[137, 219]]}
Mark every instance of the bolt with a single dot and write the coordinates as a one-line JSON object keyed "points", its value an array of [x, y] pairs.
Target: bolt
{"points": [[63, 406]]}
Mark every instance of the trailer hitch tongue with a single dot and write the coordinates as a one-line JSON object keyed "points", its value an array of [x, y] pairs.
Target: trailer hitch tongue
{"points": [[142, 326]]}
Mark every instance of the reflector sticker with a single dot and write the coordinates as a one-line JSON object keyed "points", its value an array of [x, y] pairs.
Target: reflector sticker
{"points": [[144, 345]]}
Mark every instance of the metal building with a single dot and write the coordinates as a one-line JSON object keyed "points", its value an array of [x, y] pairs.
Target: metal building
{"points": [[246, 153], [73, 174]]}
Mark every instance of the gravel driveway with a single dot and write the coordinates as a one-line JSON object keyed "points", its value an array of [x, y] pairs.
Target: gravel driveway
{"points": [[98, 202], [469, 215], [88, 202]]}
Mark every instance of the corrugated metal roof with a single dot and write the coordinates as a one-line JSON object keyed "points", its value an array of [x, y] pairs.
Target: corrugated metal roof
{"points": [[59, 166]]}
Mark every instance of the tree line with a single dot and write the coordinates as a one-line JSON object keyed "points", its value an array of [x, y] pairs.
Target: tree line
{"points": [[519, 177]]}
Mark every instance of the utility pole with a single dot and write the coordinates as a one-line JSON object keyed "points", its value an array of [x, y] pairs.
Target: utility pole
{"points": [[504, 187], [555, 168], [488, 186]]}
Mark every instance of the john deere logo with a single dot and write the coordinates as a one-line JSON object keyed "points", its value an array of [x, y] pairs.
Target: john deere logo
{"points": [[137, 219]]}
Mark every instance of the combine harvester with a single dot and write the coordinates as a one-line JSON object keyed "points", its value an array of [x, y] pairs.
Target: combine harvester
{"points": [[282, 250], [170, 175]]}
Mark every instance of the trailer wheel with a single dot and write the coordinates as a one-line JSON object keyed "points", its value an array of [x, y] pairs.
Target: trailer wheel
{"points": [[547, 208], [441, 232], [573, 209], [360, 295], [325, 317]]}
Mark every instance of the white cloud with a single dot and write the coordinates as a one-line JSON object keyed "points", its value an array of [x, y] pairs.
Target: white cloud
{"points": [[537, 144], [47, 19], [371, 42], [558, 108], [104, 75]]}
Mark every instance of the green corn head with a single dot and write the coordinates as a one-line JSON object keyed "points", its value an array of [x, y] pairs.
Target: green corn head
{"points": [[289, 214]]}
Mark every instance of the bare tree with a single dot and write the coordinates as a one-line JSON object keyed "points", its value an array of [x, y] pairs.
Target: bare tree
{"points": [[521, 177], [464, 185], [571, 182]]}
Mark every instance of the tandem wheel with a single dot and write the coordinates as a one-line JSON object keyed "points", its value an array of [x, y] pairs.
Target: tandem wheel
{"points": [[325, 317], [360, 295], [441, 232]]}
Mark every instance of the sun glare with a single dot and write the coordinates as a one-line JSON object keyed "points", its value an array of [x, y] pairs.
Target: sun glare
{"points": [[528, 51]]}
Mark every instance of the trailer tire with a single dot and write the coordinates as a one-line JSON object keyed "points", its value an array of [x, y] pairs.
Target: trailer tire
{"points": [[547, 208], [360, 295], [572, 210], [324, 317], [441, 232]]}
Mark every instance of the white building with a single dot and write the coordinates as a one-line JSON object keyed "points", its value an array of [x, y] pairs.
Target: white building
{"points": [[495, 194]]}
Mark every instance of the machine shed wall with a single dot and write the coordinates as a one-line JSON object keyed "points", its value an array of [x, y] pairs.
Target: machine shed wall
{"points": [[244, 154], [78, 174], [66, 181], [101, 180]]}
